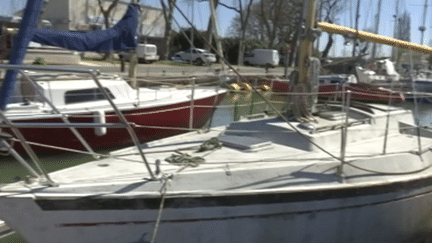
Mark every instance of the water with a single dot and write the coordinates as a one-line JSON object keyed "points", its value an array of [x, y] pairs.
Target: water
{"points": [[234, 106]]}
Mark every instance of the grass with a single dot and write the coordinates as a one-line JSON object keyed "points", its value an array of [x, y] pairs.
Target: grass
{"points": [[100, 59], [172, 63]]}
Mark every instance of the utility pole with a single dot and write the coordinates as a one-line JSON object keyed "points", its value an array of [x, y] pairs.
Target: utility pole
{"points": [[356, 26], [377, 20], [133, 60]]}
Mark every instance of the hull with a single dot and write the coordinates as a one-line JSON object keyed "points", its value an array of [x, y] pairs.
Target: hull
{"points": [[359, 92], [279, 190], [376, 214], [151, 123]]}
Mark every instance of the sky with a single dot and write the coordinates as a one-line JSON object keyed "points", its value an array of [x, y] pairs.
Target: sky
{"points": [[199, 12]]}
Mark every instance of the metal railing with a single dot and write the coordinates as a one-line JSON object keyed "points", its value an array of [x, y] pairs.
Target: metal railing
{"points": [[14, 126]]}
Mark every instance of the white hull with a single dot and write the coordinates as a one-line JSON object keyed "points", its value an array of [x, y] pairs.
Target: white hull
{"points": [[404, 216], [359, 175]]}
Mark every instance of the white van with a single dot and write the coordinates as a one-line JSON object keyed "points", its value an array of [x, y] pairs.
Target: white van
{"points": [[147, 53], [262, 57]]}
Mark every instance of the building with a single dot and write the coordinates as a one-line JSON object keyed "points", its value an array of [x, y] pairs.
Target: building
{"points": [[85, 15]]}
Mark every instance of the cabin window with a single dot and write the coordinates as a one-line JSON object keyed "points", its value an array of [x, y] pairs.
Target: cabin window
{"points": [[86, 95]]}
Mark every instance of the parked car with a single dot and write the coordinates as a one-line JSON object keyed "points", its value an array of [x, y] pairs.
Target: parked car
{"points": [[262, 57], [197, 56], [178, 58]]}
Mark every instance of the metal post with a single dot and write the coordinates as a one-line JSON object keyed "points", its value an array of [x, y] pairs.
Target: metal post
{"points": [[192, 104], [19, 158], [63, 117], [344, 133], [123, 119], [27, 148]]}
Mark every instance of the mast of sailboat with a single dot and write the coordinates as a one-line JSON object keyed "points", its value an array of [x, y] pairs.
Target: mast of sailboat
{"points": [[303, 78], [305, 43], [25, 34], [133, 60], [422, 28], [215, 31], [356, 26], [395, 31], [377, 20]]}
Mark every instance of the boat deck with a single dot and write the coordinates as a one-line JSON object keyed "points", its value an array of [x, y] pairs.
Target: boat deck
{"points": [[305, 158]]}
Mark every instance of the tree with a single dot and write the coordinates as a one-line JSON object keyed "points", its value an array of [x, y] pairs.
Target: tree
{"points": [[167, 10], [244, 13], [328, 11], [277, 19], [106, 13], [271, 22]]}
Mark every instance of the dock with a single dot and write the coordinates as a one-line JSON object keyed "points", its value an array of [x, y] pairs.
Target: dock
{"points": [[5, 230]]}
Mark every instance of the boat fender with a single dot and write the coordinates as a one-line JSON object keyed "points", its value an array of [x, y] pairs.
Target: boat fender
{"points": [[264, 87], [245, 86], [234, 87], [99, 117]]}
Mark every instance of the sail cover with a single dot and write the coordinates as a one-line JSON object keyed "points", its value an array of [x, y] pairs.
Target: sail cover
{"points": [[119, 37]]}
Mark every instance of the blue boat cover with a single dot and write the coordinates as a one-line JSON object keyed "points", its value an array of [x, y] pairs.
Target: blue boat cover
{"points": [[25, 34], [122, 36]]}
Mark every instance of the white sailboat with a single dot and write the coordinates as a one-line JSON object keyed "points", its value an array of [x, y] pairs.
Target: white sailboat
{"points": [[332, 173]]}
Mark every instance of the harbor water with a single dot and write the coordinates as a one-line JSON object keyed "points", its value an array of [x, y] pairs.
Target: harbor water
{"points": [[232, 108]]}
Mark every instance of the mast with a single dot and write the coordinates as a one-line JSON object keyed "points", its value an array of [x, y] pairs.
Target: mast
{"points": [[306, 43], [25, 34], [377, 20], [356, 26], [304, 80], [216, 32], [395, 32], [422, 28], [133, 60]]}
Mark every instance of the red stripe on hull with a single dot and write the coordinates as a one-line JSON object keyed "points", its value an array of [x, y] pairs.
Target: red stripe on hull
{"points": [[176, 115]]}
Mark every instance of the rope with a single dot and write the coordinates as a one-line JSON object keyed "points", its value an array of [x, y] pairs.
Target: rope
{"points": [[184, 159], [161, 206], [187, 160], [210, 144]]}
